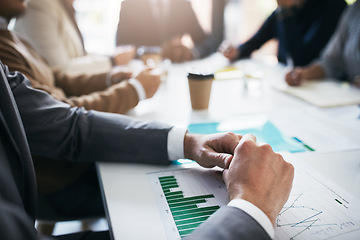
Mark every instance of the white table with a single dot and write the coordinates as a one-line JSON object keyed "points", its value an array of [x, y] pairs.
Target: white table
{"points": [[131, 207]]}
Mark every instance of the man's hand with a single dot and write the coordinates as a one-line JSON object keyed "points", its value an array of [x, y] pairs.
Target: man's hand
{"points": [[123, 54], [118, 73], [150, 80], [228, 50], [260, 176], [211, 150]]}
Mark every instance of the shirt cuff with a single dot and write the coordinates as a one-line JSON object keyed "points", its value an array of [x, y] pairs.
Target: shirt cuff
{"points": [[255, 213], [175, 143], [138, 87]]}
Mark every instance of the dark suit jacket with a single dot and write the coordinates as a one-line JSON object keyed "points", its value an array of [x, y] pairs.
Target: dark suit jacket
{"points": [[56, 130], [230, 223], [137, 25], [301, 36]]}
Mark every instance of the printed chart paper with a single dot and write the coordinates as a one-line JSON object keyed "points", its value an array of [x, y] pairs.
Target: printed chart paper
{"points": [[186, 198], [316, 209]]}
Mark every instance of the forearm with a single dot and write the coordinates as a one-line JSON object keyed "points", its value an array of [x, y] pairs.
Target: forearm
{"points": [[229, 223], [119, 98], [265, 33], [56, 131], [81, 84]]}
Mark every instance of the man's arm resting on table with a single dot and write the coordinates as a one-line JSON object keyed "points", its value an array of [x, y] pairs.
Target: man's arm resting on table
{"points": [[230, 223]]}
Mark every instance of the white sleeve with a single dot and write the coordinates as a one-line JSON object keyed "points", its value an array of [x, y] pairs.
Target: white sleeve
{"points": [[255, 213], [175, 143], [139, 88]]}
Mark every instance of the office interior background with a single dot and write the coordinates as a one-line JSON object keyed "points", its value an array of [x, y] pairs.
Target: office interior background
{"points": [[242, 18]]}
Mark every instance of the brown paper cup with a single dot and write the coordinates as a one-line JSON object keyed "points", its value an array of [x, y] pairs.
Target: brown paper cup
{"points": [[200, 93]]}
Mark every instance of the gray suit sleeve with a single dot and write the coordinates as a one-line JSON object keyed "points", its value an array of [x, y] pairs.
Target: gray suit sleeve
{"points": [[58, 131], [230, 223]]}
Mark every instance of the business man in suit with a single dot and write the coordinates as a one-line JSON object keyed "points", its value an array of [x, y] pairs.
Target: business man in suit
{"points": [[258, 180], [162, 23]]}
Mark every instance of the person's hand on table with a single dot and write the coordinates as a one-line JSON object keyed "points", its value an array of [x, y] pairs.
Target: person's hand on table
{"points": [[150, 80], [260, 176], [118, 74], [211, 150], [228, 50], [123, 54]]}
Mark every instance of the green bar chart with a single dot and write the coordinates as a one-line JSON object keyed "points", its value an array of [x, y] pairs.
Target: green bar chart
{"points": [[186, 213], [185, 199]]}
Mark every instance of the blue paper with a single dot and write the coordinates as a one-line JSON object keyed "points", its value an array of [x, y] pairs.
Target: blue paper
{"points": [[266, 132]]}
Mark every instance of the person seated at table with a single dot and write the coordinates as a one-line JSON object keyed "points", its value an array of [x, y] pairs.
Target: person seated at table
{"points": [[51, 28], [163, 23], [341, 58], [108, 92], [91, 91], [302, 28], [258, 180]]}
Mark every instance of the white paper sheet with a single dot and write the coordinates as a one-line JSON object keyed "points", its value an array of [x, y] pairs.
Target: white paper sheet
{"points": [[316, 209], [323, 93]]}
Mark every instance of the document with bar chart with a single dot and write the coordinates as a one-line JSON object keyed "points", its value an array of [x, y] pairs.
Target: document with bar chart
{"points": [[186, 198], [316, 208]]}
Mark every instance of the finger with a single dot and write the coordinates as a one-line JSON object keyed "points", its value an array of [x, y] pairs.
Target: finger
{"points": [[248, 137], [222, 160]]}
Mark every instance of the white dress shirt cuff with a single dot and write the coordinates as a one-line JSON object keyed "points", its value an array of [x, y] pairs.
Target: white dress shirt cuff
{"points": [[139, 88], [175, 143], [255, 213]]}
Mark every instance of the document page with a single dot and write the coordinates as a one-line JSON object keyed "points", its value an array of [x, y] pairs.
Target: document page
{"points": [[324, 93], [316, 209]]}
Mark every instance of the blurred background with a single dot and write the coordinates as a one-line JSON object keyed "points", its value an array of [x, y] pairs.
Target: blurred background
{"points": [[98, 20]]}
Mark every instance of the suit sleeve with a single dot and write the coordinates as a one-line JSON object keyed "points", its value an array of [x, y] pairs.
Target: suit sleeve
{"points": [[265, 33], [15, 224], [91, 92], [58, 131], [230, 223]]}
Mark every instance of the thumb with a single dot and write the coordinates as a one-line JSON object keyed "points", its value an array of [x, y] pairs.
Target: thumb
{"points": [[218, 159]]}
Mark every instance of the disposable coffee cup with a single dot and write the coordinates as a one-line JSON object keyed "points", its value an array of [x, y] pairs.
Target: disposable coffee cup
{"points": [[200, 89]]}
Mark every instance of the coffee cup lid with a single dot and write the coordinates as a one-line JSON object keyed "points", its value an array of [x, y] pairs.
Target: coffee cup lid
{"points": [[200, 75]]}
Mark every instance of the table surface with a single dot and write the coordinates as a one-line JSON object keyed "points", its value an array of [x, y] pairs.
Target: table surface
{"points": [[131, 208]]}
